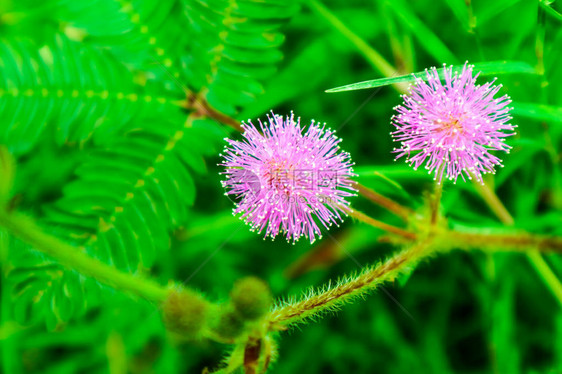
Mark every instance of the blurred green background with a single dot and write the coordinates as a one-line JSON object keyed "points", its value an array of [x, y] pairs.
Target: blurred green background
{"points": [[463, 312]]}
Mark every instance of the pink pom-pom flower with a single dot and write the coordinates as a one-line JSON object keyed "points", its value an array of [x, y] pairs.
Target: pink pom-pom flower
{"points": [[453, 125], [288, 179]]}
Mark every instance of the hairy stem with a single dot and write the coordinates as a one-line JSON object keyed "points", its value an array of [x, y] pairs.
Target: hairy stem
{"points": [[333, 296], [73, 258], [517, 241], [392, 206], [380, 225]]}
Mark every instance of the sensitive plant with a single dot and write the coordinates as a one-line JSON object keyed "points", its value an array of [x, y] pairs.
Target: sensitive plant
{"points": [[288, 178], [453, 125], [130, 118]]}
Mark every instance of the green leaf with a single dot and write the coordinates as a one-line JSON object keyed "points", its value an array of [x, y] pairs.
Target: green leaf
{"points": [[148, 34], [538, 112], [550, 11], [71, 91], [128, 197], [485, 68], [235, 45], [397, 171]]}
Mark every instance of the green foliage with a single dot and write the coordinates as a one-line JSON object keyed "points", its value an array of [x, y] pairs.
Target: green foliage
{"points": [[64, 90], [107, 88], [425, 36], [125, 170], [8, 171], [140, 33], [234, 45]]}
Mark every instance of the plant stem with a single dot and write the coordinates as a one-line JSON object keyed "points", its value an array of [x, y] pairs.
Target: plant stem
{"points": [[392, 206], [516, 241], [372, 55], [76, 259], [550, 279], [492, 200], [203, 109], [380, 225], [329, 299], [547, 275], [435, 202]]}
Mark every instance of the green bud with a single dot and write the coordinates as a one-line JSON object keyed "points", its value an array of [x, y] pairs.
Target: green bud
{"points": [[185, 312], [230, 324], [251, 298]]}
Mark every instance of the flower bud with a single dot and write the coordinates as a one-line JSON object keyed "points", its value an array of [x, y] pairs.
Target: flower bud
{"points": [[251, 298], [230, 324], [185, 312]]}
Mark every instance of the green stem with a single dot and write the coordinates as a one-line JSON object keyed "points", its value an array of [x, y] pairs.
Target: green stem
{"points": [[494, 203], [549, 143], [73, 258], [372, 55], [550, 279], [380, 225], [435, 202], [497, 242], [333, 296], [547, 275], [392, 206], [472, 23]]}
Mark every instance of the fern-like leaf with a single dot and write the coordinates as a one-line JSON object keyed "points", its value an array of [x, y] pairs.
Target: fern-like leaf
{"points": [[234, 46], [72, 90], [144, 33], [135, 188], [128, 198]]}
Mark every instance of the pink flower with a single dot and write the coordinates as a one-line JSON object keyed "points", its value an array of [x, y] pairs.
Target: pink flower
{"points": [[453, 125], [288, 179]]}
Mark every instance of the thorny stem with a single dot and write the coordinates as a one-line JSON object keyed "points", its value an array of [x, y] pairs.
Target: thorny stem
{"points": [[552, 282], [73, 258], [392, 206], [296, 312], [333, 296], [380, 225]]}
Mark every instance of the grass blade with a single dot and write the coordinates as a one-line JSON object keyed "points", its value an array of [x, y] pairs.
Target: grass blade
{"points": [[550, 11], [485, 68]]}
